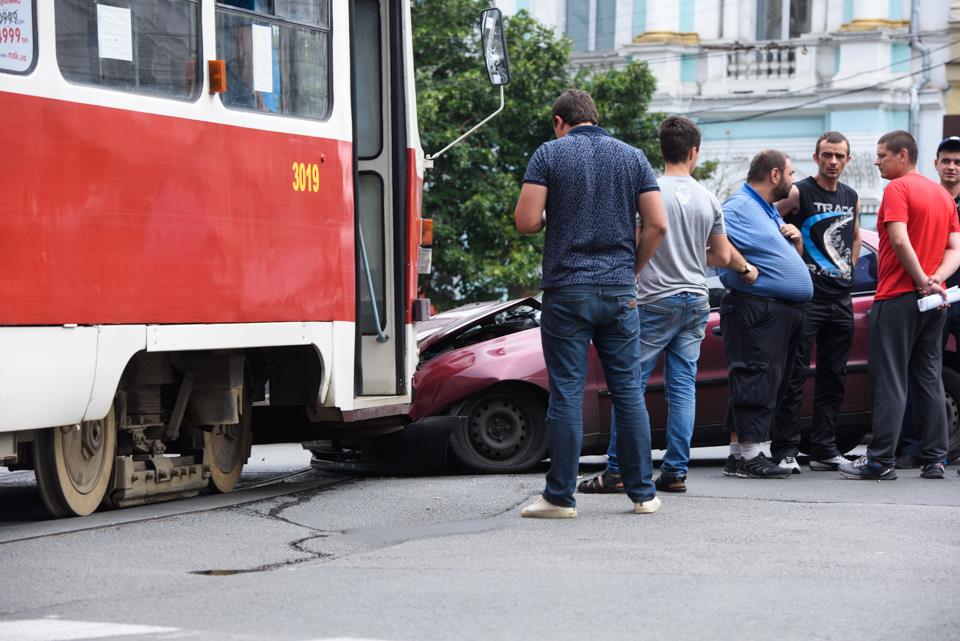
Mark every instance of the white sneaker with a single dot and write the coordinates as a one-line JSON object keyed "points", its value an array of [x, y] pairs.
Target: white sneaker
{"points": [[789, 463], [544, 509], [827, 464], [647, 507]]}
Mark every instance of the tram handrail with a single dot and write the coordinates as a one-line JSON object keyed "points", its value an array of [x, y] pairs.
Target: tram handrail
{"points": [[381, 336]]}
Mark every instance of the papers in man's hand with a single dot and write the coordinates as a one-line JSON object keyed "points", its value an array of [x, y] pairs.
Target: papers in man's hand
{"points": [[934, 301]]}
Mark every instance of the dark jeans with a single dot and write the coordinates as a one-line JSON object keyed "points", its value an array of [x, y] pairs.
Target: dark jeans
{"points": [[760, 338], [571, 318], [830, 323], [909, 436], [905, 357]]}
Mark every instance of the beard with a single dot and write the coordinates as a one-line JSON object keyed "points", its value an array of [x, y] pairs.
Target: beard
{"points": [[782, 190]]}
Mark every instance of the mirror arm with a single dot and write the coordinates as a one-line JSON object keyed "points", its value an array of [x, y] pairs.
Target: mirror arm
{"points": [[428, 160]]}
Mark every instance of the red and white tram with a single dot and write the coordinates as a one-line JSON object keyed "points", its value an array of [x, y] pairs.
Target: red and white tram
{"points": [[204, 204]]}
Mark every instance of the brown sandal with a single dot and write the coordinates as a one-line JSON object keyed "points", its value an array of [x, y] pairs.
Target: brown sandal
{"points": [[603, 483]]}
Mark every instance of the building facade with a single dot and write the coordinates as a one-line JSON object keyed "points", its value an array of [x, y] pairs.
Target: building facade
{"points": [[777, 73]]}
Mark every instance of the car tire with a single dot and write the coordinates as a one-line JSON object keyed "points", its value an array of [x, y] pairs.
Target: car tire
{"points": [[505, 432], [951, 388]]}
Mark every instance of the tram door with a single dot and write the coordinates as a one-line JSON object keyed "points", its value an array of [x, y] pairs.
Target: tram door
{"points": [[380, 340]]}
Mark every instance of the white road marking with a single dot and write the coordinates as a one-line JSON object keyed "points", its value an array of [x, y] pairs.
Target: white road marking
{"points": [[65, 630]]}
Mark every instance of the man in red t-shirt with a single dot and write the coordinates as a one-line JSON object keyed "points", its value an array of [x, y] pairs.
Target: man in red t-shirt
{"points": [[919, 249]]}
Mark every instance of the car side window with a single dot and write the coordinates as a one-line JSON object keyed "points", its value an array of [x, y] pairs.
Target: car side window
{"points": [[865, 273]]}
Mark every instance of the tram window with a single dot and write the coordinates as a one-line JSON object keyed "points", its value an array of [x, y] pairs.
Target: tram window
{"points": [[370, 212], [277, 55], [18, 38], [366, 36], [143, 46]]}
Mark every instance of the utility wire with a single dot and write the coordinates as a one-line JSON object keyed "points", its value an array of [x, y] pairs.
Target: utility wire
{"points": [[803, 90], [839, 94]]}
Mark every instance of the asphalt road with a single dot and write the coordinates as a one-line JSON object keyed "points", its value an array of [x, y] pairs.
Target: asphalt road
{"points": [[323, 556]]}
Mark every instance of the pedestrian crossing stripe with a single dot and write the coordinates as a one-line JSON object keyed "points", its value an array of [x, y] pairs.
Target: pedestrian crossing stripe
{"points": [[66, 630]]}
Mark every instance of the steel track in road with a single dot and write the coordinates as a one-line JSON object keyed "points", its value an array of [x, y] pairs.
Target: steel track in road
{"points": [[251, 491]]}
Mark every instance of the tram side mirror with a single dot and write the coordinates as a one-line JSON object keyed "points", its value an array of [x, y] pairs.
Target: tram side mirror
{"points": [[498, 69], [494, 46]]}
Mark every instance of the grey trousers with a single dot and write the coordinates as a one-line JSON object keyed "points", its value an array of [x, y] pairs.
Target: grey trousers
{"points": [[905, 359]]}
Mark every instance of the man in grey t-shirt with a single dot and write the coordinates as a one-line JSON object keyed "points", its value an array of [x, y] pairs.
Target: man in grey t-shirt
{"points": [[672, 292]]}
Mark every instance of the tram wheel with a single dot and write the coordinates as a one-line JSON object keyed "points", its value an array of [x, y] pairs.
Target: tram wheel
{"points": [[226, 448], [73, 464]]}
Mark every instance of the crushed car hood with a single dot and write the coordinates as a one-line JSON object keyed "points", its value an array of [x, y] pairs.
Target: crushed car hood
{"points": [[449, 324]]}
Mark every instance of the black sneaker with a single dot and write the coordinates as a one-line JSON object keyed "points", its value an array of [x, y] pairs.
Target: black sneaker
{"points": [[667, 483], [932, 471], [730, 467], [760, 467], [863, 469]]}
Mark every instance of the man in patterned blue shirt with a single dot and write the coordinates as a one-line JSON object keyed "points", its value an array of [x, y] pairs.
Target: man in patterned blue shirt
{"points": [[586, 188]]}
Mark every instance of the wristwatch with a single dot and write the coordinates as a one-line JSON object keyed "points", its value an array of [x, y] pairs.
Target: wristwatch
{"points": [[746, 269]]}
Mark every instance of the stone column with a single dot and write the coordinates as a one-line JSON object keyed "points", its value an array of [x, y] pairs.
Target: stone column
{"points": [[662, 24], [870, 15]]}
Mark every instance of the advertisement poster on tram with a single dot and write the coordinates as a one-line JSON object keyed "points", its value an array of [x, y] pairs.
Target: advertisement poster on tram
{"points": [[16, 35]]}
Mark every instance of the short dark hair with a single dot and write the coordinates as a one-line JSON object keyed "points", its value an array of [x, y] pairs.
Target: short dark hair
{"points": [[765, 162], [678, 135], [575, 106], [950, 144], [897, 141], [834, 137]]}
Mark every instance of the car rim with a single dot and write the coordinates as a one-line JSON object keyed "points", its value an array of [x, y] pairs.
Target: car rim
{"points": [[498, 429]]}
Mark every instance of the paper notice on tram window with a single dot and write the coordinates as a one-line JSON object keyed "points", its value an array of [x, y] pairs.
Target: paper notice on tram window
{"points": [[114, 33], [263, 58]]}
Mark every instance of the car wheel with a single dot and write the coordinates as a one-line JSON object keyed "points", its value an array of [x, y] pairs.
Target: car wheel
{"points": [[505, 432], [951, 387]]}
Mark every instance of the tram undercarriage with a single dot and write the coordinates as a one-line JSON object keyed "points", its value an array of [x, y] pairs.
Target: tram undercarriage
{"points": [[180, 425]]}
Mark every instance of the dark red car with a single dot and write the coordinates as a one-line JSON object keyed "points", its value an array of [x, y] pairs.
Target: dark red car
{"points": [[484, 362]]}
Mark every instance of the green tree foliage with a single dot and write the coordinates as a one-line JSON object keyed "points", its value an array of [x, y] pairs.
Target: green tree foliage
{"points": [[473, 188]]}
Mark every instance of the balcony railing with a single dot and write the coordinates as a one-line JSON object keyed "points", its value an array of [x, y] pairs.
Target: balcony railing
{"points": [[766, 63]]}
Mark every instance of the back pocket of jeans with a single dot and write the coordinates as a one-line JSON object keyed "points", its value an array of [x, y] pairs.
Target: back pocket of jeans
{"points": [[628, 317], [562, 315]]}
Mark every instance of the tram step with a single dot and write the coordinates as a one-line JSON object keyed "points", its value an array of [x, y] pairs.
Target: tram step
{"points": [[138, 481]]}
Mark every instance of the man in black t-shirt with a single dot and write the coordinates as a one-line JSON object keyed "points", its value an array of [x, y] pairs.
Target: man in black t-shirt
{"points": [[827, 212], [947, 165]]}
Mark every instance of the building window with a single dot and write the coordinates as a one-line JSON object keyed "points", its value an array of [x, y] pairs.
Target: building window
{"points": [[132, 45], [578, 23], [277, 55], [606, 24], [782, 19]]}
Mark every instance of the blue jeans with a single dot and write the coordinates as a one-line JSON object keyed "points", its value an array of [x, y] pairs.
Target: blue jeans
{"points": [[571, 317], [675, 326]]}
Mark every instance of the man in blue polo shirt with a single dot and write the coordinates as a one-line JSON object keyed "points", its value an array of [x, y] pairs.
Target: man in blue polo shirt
{"points": [[591, 187], [762, 310]]}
